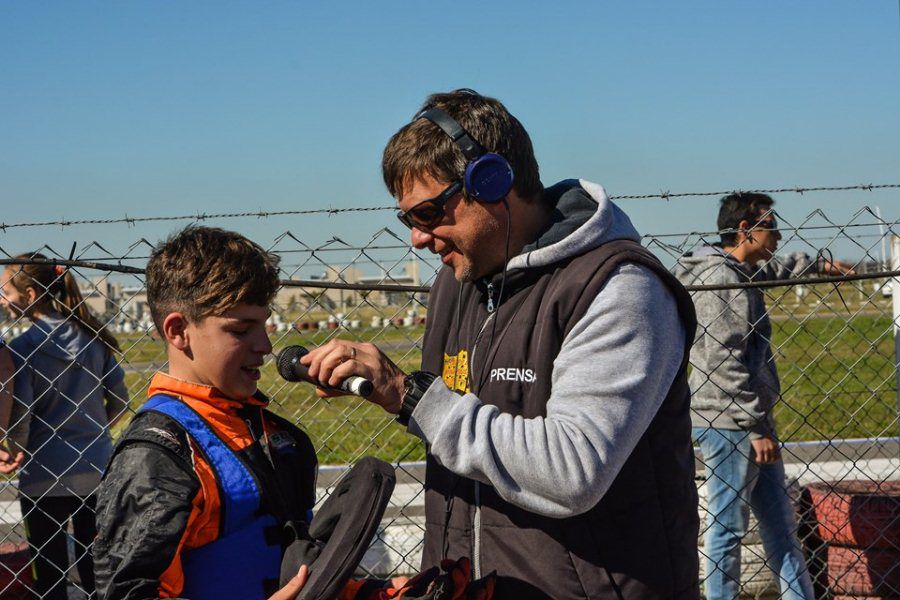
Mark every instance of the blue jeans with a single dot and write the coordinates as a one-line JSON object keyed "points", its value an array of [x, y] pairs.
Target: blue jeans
{"points": [[735, 485]]}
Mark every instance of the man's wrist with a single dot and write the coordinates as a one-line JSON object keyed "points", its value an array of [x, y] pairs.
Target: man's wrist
{"points": [[414, 387]]}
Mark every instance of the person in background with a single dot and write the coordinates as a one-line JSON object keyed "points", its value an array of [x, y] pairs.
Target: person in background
{"points": [[734, 384], [69, 389]]}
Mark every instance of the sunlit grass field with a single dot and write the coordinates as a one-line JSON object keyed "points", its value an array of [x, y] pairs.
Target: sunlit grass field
{"points": [[838, 378], [837, 372]]}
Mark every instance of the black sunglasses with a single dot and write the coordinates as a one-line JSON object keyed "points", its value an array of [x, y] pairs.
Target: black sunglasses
{"points": [[766, 224], [428, 213]]}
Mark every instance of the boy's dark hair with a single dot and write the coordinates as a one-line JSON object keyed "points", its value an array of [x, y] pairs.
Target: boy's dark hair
{"points": [[421, 147], [737, 207], [204, 271]]}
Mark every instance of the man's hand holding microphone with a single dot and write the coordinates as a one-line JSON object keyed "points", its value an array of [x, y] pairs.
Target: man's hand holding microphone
{"points": [[341, 367]]}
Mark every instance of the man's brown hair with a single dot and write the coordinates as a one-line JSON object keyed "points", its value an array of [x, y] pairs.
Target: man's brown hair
{"points": [[421, 147], [204, 271]]}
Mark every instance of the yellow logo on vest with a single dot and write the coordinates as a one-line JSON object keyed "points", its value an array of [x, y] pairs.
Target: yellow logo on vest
{"points": [[456, 371]]}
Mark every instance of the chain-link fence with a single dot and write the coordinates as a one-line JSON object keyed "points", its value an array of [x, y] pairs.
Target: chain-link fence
{"points": [[832, 338]]}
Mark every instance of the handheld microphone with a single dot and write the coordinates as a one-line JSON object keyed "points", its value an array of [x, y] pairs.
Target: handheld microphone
{"points": [[289, 368]]}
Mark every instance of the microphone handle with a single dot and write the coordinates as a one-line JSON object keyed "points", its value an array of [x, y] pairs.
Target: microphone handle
{"points": [[358, 386], [295, 371]]}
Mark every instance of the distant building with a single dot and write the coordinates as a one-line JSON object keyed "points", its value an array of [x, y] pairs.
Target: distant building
{"points": [[304, 298]]}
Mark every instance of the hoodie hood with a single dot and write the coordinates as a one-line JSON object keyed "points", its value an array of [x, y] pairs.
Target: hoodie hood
{"points": [[55, 336], [693, 267], [583, 218]]}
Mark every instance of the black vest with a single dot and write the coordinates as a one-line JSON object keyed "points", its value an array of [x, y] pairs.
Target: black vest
{"points": [[640, 540]]}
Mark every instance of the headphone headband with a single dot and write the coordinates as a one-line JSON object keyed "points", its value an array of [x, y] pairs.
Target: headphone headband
{"points": [[488, 176], [471, 149]]}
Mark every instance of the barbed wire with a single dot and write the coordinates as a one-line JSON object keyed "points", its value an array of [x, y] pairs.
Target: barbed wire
{"points": [[796, 190], [781, 227], [415, 289], [131, 221], [662, 195]]}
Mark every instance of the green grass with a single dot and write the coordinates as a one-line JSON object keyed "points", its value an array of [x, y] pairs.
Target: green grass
{"points": [[838, 378], [837, 374]]}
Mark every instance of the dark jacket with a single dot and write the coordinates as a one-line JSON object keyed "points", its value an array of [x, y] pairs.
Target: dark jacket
{"points": [[638, 539]]}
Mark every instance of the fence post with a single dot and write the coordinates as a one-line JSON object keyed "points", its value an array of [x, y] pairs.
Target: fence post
{"points": [[895, 297]]}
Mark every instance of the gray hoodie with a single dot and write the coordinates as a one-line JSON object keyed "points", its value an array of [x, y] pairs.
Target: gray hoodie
{"points": [[734, 380], [62, 377], [609, 379]]}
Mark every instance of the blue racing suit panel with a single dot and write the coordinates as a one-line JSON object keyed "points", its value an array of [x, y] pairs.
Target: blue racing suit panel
{"points": [[244, 561]]}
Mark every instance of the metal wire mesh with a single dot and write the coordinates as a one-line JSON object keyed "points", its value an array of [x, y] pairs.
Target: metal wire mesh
{"points": [[833, 340]]}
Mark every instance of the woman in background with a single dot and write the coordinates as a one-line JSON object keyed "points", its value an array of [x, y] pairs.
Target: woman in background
{"points": [[69, 388]]}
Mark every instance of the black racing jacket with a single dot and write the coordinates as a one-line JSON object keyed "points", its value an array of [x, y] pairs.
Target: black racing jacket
{"points": [[146, 504]]}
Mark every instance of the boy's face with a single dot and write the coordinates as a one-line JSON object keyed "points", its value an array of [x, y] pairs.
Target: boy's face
{"points": [[225, 352]]}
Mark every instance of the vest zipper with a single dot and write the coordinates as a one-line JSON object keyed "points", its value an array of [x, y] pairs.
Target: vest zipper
{"points": [[476, 524], [475, 350]]}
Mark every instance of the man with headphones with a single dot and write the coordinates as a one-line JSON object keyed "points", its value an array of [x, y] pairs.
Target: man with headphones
{"points": [[553, 393]]}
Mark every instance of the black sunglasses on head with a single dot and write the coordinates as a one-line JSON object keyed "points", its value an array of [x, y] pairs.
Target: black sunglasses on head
{"points": [[428, 213]]}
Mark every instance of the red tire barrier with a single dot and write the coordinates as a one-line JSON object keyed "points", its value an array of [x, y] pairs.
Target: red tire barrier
{"points": [[870, 572], [16, 582], [861, 514]]}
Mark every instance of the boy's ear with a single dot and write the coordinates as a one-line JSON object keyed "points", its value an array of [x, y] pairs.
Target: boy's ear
{"points": [[175, 330]]}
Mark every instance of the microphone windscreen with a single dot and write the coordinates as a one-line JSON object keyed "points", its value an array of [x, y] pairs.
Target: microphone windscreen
{"points": [[287, 362]]}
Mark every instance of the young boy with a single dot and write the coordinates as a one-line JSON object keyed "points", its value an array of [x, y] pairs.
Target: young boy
{"points": [[198, 490]]}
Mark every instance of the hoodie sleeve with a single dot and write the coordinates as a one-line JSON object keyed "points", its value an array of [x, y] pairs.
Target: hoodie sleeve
{"points": [[786, 266], [609, 379]]}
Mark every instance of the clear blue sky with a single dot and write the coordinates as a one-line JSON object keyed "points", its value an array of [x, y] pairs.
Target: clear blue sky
{"points": [[158, 108]]}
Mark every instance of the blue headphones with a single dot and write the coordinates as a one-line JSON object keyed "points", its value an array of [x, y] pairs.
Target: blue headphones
{"points": [[489, 176]]}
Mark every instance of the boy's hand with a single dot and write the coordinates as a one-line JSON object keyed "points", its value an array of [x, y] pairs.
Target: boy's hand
{"points": [[293, 587], [339, 359], [9, 463]]}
